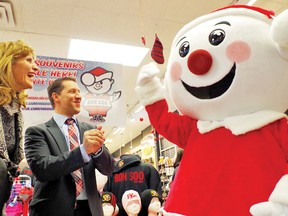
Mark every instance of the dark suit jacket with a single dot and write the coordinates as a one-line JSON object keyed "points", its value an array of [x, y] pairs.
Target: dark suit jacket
{"points": [[51, 162]]}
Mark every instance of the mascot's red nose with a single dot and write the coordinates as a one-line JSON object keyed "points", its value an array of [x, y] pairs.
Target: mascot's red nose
{"points": [[199, 62]]}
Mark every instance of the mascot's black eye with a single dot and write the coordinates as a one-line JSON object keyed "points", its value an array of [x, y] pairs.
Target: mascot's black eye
{"points": [[216, 37], [184, 49]]}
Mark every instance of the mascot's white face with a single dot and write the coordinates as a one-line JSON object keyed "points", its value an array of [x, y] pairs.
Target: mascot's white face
{"points": [[227, 64]]}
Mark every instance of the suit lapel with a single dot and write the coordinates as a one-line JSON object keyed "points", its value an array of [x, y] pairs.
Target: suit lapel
{"points": [[57, 134], [81, 131]]}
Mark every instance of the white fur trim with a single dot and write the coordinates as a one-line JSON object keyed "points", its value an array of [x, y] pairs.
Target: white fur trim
{"points": [[241, 124], [280, 193]]}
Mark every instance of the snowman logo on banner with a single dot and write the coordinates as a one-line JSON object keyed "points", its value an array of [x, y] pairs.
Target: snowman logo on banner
{"points": [[98, 100], [227, 75]]}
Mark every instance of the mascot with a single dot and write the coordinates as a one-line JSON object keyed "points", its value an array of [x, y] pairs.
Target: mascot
{"points": [[227, 75]]}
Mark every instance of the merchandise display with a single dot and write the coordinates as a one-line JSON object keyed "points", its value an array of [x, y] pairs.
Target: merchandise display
{"points": [[131, 202], [130, 173], [21, 194], [151, 203], [165, 168], [109, 204]]}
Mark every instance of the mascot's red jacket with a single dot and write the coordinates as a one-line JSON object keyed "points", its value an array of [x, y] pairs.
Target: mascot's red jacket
{"points": [[227, 75]]}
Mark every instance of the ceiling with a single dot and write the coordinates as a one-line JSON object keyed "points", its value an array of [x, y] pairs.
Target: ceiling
{"points": [[47, 25]]}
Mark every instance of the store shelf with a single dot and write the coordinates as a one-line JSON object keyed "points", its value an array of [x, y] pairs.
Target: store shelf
{"points": [[165, 165]]}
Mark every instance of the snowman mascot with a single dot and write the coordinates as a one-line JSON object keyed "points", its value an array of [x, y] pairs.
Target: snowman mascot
{"points": [[227, 75]]}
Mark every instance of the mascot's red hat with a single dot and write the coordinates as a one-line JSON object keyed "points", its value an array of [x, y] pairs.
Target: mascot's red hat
{"points": [[234, 9], [268, 13]]}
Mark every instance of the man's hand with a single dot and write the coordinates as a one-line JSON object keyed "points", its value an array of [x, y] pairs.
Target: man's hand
{"points": [[269, 209], [277, 205], [93, 140]]}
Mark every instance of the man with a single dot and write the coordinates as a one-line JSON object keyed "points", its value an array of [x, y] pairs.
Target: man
{"points": [[53, 163]]}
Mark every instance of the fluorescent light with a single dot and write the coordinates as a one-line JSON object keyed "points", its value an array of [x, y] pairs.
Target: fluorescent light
{"points": [[108, 140], [140, 108], [106, 52], [251, 2], [119, 130]]}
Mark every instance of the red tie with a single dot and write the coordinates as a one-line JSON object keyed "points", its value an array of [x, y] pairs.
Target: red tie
{"points": [[73, 140]]}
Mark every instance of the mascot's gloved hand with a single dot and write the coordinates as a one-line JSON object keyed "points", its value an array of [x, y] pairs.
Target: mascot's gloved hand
{"points": [[269, 209], [278, 201], [149, 87]]}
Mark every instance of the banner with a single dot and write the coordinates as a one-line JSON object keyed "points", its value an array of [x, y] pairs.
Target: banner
{"points": [[101, 86]]}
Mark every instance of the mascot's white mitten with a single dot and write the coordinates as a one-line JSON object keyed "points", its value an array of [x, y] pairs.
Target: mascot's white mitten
{"points": [[148, 86], [278, 201]]}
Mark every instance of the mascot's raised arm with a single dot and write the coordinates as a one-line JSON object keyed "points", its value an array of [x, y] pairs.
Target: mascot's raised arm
{"points": [[227, 75]]}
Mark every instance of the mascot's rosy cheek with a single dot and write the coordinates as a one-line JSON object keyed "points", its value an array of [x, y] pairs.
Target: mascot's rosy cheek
{"points": [[238, 51], [176, 71]]}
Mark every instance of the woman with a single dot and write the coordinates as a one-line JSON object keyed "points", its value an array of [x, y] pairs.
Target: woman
{"points": [[17, 69]]}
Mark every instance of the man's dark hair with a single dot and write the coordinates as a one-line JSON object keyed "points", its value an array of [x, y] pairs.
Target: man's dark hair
{"points": [[57, 86]]}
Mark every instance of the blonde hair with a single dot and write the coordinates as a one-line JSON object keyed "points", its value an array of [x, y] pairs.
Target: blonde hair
{"points": [[9, 52]]}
